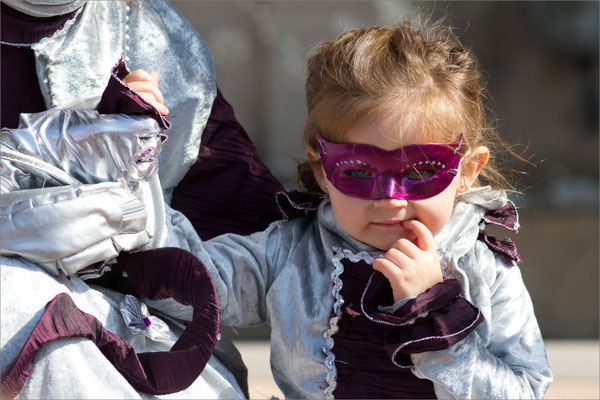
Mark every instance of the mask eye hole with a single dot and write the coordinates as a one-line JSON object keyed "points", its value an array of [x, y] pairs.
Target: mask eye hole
{"points": [[359, 173], [420, 174]]}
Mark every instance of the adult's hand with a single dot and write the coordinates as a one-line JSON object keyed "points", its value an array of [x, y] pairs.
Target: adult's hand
{"points": [[146, 85]]}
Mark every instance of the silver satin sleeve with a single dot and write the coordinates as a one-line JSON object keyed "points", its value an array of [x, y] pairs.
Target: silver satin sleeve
{"points": [[242, 268], [504, 361], [67, 228], [88, 146], [74, 186]]}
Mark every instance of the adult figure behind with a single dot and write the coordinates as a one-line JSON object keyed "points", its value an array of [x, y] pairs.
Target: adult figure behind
{"points": [[55, 56]]}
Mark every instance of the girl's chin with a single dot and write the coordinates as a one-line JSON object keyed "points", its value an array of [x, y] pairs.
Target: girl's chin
{"points": [[386, 243]]}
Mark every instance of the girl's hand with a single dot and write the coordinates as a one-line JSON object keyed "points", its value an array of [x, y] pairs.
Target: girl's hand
{"points": [[411, 268], [146, 85]]}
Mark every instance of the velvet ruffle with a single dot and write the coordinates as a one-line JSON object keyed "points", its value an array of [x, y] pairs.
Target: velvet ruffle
{"points": [[153, 274]]}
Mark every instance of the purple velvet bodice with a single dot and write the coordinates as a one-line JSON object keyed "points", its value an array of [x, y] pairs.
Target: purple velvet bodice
{"points": [[364, 368], [372, 349]]}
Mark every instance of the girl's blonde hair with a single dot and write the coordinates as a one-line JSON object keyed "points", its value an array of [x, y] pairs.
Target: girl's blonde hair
{"points": [[424, 76]]}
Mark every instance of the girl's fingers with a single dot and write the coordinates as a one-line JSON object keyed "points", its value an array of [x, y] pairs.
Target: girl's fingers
{"points": [[407, 247], [388, 269], [398, 257], [425, 240]]}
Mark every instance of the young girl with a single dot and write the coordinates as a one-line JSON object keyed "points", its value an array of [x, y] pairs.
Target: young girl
{"points": [[389, 287]]}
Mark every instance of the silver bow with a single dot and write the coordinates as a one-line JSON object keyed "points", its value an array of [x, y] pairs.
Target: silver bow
{"points": [[138, 319]]}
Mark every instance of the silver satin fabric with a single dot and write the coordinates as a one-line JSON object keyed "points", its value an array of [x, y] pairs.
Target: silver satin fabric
{"points": [[138, 319], [65, 229], [75, 63], [287, 276], [74, 368], [111, 199], [88, 146]]}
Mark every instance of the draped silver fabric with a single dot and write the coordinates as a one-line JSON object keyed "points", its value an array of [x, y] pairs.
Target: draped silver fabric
{"points": [[287, 276], [88, 146]]}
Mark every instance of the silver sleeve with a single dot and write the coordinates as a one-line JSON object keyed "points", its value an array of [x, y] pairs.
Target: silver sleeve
{"points": [[88, 146], [67, 228], [505, 361]]}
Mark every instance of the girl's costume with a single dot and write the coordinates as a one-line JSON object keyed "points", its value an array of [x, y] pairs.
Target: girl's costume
{"points": [[335, 333], [79, 187]]}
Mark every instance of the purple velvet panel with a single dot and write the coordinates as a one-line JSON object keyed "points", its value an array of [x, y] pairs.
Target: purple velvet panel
{"points": [[504, 216], [120, 98], [372, 349], [508, 218], [20, 88], [153, 274], [21, 28], [505, 246], [228, 189]]}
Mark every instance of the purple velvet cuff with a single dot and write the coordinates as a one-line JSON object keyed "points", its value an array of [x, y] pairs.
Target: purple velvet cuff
{"points": [[434, 320], [120, 98], [153, 274]]}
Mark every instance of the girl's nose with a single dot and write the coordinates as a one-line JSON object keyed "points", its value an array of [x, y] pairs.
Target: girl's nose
{"points": [[390, 203]]}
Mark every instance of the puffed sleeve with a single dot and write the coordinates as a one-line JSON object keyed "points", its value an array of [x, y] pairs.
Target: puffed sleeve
{"points": [[243, 269], [505, 359]]}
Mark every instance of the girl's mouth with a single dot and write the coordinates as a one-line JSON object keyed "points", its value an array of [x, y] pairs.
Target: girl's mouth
{"points": [[390, 224]]}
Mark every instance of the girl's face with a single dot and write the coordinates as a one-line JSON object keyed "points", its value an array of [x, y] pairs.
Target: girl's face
{"points": [[380, 223]]}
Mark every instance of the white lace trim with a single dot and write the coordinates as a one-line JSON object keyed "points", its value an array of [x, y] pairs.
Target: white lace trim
{"points": [[338, 255]]}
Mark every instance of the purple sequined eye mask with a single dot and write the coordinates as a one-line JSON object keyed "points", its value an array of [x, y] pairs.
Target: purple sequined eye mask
{"points": [[412, 172]]}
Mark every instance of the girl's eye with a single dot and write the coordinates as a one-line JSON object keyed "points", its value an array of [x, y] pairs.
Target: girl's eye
{"points": [[359, 173], [420, 174]]}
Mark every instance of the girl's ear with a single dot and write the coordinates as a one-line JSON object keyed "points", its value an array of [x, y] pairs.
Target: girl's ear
{"points": [[474, 163], [317, 168]]}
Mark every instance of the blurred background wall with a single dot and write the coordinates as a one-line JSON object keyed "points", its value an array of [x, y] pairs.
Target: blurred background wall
{"points": [[541, 64]]}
